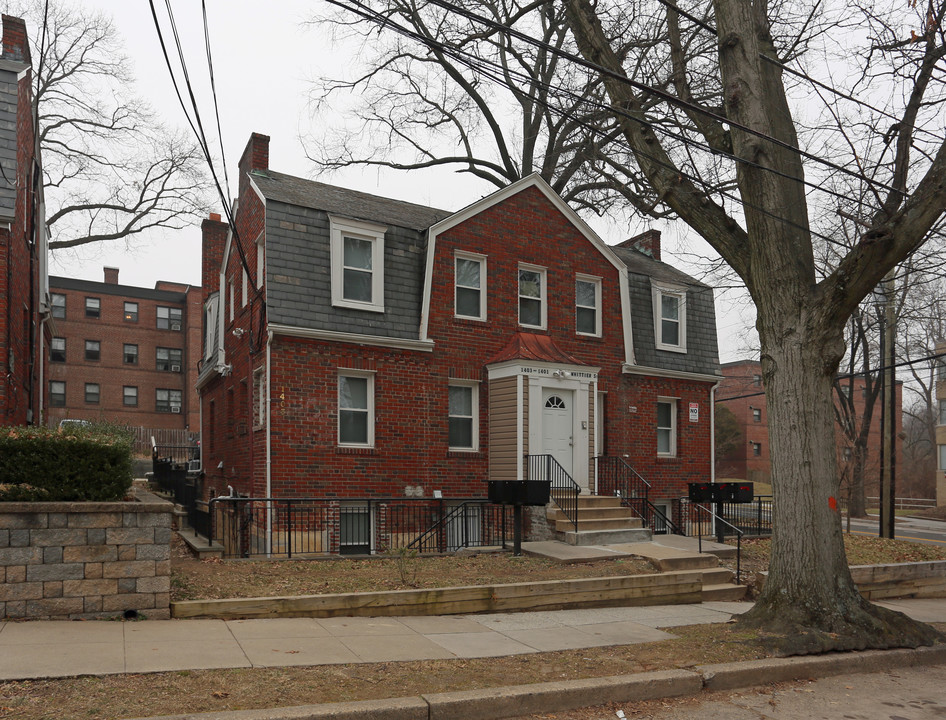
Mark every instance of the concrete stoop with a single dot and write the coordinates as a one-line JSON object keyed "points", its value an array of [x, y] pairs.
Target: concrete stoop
{"points": [[602, 520]]}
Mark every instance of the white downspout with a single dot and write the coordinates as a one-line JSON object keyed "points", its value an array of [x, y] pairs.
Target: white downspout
{"points": [[269, 443], [713, 431]]}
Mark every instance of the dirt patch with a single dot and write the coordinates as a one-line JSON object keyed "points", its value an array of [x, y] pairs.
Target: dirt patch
{"points": [[193, 579]]}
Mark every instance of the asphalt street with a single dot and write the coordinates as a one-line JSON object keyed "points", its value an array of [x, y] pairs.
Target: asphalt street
{"points": [[912, 693], [929, 532]]}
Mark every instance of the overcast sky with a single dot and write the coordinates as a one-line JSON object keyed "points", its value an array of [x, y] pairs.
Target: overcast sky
{"points": [[263, 55]]}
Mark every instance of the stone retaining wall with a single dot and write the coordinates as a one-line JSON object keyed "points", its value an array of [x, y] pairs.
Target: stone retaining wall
{"points": [[85, 560]]}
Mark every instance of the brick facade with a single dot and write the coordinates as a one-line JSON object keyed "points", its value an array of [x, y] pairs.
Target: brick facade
{"points": [[742, 392], [22, 238], [417, 347], [172, 370]]}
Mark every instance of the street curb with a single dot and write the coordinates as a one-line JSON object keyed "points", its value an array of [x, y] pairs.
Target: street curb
{"points": [[511, 701], [729, 676], [491, 703]]}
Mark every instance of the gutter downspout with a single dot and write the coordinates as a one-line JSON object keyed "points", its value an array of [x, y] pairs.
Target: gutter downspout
{"points": [[269, 442], [713, 431]]}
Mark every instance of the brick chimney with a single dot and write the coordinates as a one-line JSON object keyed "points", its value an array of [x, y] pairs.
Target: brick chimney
{"points": [[111, 276], [255, 157], [214, 233], [647, 242], [16, 46]]}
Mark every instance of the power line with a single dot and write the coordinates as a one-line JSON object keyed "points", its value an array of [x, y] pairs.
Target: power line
{"points": [[486, 68]]}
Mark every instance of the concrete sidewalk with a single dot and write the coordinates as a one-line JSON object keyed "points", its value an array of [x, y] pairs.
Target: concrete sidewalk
{"points": [[50, 649]]}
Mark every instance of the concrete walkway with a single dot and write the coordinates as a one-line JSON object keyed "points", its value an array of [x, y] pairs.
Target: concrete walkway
{"points": [[30, 650]]}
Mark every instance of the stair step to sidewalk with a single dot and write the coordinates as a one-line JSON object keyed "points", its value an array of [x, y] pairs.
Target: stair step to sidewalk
{"points": [[726, 592], [633, 536], [595, 524]]}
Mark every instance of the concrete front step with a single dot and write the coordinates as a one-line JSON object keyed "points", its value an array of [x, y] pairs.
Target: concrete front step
{"points": [[667, 558], [607, 537], [593, 524], [725, 592], [710, 576], [555, 513]]}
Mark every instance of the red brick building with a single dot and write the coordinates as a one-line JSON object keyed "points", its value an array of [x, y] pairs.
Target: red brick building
{"points": [[742, 392], [22, 237], [358, 346], [125, 354]]}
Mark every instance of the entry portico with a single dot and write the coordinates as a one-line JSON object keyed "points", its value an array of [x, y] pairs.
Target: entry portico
{"points": [[543, 401]]}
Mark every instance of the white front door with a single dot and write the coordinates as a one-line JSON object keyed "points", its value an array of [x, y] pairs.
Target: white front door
{"points": [[558, 427]]}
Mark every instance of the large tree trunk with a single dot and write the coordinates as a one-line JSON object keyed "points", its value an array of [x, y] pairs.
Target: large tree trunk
{"points": [[809, 600]]}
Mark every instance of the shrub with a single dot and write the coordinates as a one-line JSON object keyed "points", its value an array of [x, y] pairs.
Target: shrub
{"points": [[78, 462]]}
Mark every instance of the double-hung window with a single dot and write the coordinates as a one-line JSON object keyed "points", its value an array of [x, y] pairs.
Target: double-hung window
{"points": [[58, 302], [670, 318], [168, 359], [942, 412], [130, 395], [167, 400], [532, 310], [93, 350], [463, 416], [357, 264], [356, 408], [130, 354], [57, 349], [667, 427], [57, 393], [587, 305], [169, 318], [93, 307], [131, 312], [92, 393], [470, 283]]}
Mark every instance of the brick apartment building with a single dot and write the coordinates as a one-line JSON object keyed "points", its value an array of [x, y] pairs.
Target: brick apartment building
{"points": [[358, 346], [22, 237], [124, 354], [742, 392]]}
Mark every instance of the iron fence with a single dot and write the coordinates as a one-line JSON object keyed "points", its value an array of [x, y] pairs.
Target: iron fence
{"points": [[294, 527], [618, 479], [751, 519]]}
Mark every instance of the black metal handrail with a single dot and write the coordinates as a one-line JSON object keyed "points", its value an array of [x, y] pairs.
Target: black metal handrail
{"points": [[564, 489], [718, 525], [443, 535], [650, 513], [289, 527], [616, 477], [754, 519]]}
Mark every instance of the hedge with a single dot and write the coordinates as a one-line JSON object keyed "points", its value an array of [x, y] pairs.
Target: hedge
{"points": [[79, 463]]}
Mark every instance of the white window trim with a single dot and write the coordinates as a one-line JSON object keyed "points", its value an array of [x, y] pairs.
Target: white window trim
{"points": [[230, 287], [657, 292], [481, 259], [942, 412], [369, 374], [475, 402], [543, 300], [259, 397], [341, 228], [244, 290], [260, 260], [596, 281], [942, 456], [673, 426]]}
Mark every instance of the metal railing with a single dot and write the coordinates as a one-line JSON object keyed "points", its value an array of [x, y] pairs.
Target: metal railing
{"points": [[701, 520], [293, 527], [617, 478], [565, 490], [753, 519], [652, 516], [905, 503]]}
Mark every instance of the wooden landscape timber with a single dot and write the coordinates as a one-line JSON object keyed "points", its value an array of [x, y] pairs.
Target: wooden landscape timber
{"points": [[662, 589]]}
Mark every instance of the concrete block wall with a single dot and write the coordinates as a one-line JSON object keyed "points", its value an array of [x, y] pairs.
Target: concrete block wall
{"points": [[85, 560]]}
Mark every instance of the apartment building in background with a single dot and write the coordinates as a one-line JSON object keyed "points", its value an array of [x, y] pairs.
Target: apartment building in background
{"points": [[124, 354]]}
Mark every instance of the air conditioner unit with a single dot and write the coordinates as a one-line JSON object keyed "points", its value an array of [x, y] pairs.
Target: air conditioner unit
{"points": [[175, 368], [175, 326], [175, 408]]}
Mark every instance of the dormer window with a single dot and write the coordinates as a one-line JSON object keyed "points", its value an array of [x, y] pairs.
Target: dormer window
{"points": [[357, 265], [670, 317]]}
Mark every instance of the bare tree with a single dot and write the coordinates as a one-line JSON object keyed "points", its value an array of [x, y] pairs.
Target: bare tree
{"points": [[111, 169], [448, 92], [801, 313]]}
